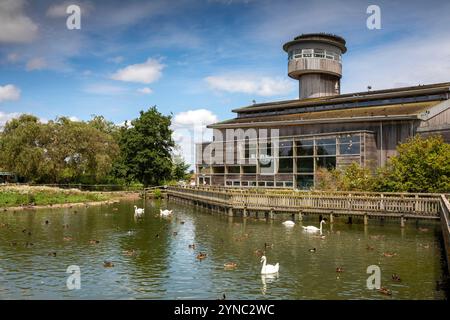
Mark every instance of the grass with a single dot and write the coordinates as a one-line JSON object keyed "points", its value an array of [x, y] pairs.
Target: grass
{"points": [[24, 195]]}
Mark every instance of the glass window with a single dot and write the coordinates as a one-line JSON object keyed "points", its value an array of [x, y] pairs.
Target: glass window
{"points": [[279, 184], [249, 169], [252, 183], [236, 184], [229, 183], [307, 53], [234, 169], [305, 181], [261, 184], [285, 149], [288, 184], [326, 162], [219, 169], [319, 53], [326, 147], [305, 165], [285, 165], [349, 144], [269, 183], [305, 147]]}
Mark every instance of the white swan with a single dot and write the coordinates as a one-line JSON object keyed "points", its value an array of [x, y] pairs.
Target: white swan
{"points": [[268, 268], [165, 213], [289, 223], [313, 229], [138, 212]]}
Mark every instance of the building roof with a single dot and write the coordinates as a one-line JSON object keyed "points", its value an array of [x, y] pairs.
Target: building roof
{"points": [[394, 111], [320, 37], [407, 102]]}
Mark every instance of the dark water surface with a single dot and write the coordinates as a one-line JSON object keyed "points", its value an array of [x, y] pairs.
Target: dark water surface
{"points": [[163, 267]]}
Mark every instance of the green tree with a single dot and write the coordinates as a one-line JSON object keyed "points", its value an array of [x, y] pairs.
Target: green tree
{"points": [[422, 165], [146, 148], [180, 168]]}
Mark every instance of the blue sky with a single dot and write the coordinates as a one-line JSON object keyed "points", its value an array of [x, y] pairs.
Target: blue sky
{"points": [[200, 59]]}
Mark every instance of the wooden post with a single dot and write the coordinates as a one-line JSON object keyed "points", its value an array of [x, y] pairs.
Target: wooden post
{"points": [[300, 216], [402, 221], [366, 219], [331, 218], [230, 212], [271, 215], [245, 214]]}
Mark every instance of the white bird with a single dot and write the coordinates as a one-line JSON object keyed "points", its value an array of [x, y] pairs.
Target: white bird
{"points": [[289, 223], [138, 212], [313, 229], [165, 213], [268, 268]]}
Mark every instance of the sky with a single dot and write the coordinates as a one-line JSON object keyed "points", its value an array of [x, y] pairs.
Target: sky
{"points": [[199, 59]]}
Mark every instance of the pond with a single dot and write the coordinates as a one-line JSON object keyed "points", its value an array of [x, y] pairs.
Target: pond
{"points": [[151, 257]]}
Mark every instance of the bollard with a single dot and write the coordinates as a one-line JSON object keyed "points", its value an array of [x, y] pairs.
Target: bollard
{"points": [[331, 218], [366, 220], [230, 212], [402, 222]]}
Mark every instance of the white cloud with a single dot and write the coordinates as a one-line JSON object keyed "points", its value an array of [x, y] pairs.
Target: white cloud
{"points": [[9, 92], [12, 57], [59, 10], [189, 128], [36, 64], [261, 86], [396, 66], [146, 72], [145, 90], [117, 59], [73, 118], [15, 26], [101, 88], [5, 117]]}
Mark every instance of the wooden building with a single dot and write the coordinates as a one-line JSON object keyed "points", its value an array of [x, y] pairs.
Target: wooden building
{"points": [[282, 144]]}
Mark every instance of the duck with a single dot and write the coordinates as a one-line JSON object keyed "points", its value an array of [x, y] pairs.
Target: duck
{"points": [[389, 254], [67, 238], [313, 250], [339, 269], [52, 254], [94, 241], [396, 277], [165, 213], [201, 255], [230, 265], [138, 212], [175, 233], [423, 229], [385, 291], [369, 247], [268, 245], [268, 268], [108, 264], [314, 229], [191, 246], [289, 223]]}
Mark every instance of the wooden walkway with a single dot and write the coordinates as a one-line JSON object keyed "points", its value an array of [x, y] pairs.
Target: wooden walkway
{"points": [[418, 206]]}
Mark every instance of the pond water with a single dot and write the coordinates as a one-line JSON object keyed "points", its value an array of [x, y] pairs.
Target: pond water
{"points": [[151, 262]]}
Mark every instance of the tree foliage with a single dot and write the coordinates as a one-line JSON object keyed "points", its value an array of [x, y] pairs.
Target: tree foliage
{"points": [[145, 149]]}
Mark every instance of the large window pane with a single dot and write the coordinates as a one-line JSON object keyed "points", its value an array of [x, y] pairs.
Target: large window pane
{"points": [[285, 165], [326, 146], [285, 149], [349, 144], [305, 181], [249, 169], [305, 165], [326, 162], [234, 169], [305, 147], [219, 169]]}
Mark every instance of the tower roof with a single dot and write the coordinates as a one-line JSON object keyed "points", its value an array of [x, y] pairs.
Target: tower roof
{"points": [[320, 37]]}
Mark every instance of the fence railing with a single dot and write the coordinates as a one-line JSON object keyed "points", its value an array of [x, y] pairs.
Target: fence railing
{"points": [[416, 205]]}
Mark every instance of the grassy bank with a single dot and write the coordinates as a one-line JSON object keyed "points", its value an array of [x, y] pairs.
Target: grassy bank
{"points": [[14, 196]]}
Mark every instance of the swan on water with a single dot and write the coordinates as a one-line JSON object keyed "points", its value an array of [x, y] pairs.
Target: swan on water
{"points": [[313, 229], [138, 212], [289, 223], [165, 213], [268, 268]]}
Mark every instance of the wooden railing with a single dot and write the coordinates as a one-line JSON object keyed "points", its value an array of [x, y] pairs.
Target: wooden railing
{"points": [[375, 204]]}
